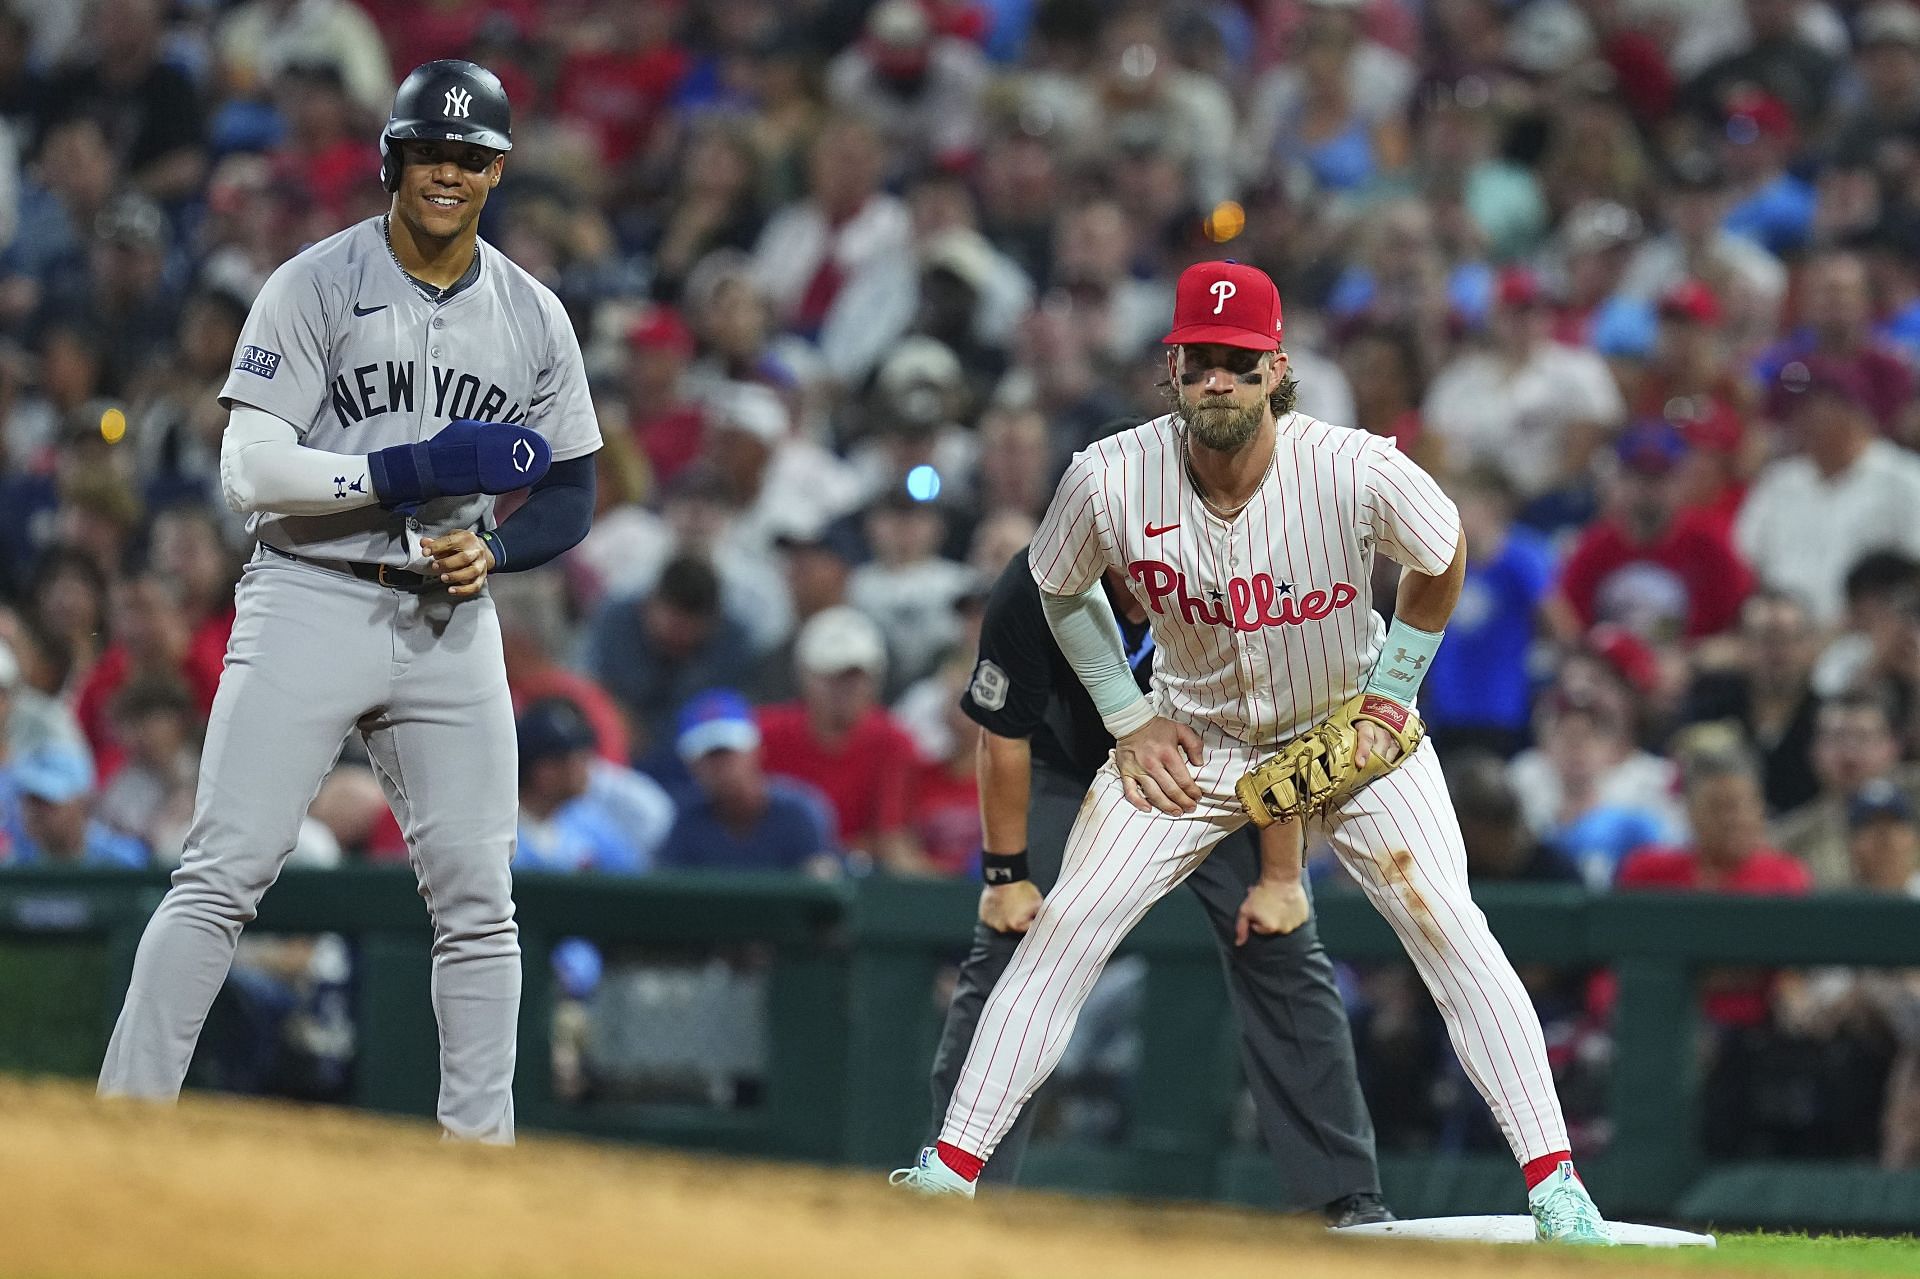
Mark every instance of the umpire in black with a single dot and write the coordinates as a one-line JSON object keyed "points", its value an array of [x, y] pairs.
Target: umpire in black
{"points": [[1041, 744]]}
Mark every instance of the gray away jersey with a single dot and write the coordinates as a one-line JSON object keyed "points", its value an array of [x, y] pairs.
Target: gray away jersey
{"points": [[342, 345]]}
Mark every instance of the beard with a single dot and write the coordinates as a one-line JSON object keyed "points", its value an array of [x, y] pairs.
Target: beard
{"points": [[1221, 427]]}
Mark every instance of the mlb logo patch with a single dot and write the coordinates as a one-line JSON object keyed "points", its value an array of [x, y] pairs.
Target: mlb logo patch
{"points": [[258, 361]]}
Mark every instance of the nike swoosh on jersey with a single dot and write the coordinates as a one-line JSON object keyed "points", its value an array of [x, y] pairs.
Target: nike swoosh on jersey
{"points": [[358, 310], [1164, 528]]}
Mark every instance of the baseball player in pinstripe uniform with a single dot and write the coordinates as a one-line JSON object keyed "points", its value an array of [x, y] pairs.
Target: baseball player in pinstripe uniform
{"points": [[1248, 531], [1041, 744]]}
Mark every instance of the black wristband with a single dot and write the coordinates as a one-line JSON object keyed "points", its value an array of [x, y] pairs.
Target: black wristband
{"points": [[998, 869]]}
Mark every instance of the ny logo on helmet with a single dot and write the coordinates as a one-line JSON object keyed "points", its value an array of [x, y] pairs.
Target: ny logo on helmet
{"points": [[458, 103]]}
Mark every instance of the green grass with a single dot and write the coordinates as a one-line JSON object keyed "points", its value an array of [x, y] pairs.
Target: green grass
{"points": [[1820, 1254]]}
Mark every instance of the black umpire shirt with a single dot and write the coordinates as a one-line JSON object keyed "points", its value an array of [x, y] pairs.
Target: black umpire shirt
{"points": [[1023, 686]]}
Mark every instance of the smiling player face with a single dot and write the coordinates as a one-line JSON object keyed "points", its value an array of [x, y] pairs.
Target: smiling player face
{"points": [[444, 185]]}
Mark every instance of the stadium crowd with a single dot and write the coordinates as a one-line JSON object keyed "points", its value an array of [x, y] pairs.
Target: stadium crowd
{"points": [[1638, 279]]}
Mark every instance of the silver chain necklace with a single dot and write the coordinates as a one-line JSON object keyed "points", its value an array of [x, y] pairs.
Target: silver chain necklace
{"points": [[425, 290]]}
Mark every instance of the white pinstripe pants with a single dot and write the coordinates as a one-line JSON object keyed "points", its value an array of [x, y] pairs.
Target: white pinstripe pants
{"points": [[1399, 838]]}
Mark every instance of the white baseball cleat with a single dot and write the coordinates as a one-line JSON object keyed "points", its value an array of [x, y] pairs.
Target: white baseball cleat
{"points": [[931, 1176], [1563, 1211]]}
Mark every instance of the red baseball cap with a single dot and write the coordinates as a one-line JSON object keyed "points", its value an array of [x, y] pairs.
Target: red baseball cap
{"points": [[1228, 303]]}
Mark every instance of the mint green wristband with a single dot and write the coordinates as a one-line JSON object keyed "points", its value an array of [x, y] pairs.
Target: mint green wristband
{"points": [[1405, 656]]}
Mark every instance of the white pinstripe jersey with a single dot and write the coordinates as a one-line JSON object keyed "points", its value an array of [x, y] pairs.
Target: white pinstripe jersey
{"points": [[1264, 624]]}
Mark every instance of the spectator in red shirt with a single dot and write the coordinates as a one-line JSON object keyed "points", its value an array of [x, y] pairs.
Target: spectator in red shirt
{"points": [[1836, 311], [946, 791], [618, 89], [1646, 564], [324, 153], [186, 549], [669, 428], [1729, 855], [839, 738], [151, 637]]}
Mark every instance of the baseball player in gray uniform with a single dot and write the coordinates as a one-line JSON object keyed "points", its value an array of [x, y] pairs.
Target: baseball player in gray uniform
{"points": [[389, 380]]}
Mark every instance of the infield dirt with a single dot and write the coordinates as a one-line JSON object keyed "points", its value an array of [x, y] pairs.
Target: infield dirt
{"points": [[221, 1188]]}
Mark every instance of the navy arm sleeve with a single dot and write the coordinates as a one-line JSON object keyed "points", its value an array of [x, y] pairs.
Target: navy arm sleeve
{"points": [[1013, 678], [556, 515]]}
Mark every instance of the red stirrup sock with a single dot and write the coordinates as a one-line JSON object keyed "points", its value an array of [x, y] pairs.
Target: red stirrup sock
{"points": [[1538, 1170], [960, 1161]]}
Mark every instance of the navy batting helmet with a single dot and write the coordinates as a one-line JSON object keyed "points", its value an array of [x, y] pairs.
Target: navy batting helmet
{"points": [[447, 100]]}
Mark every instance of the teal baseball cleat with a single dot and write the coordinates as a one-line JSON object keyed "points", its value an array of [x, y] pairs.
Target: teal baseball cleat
{"points": [[1563, 1211]]}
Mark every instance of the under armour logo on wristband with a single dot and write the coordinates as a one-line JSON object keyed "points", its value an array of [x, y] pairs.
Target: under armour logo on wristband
{"points": [[1406, 658]]}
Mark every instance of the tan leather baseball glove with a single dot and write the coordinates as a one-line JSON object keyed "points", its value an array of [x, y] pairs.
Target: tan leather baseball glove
{"points": [[1315, 773]]}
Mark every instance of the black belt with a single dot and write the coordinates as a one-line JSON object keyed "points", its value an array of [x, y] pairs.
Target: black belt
{"points": [[394, 579]]}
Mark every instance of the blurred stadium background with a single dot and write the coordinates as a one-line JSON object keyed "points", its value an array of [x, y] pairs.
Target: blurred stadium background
{"points": [[1639, 279]]}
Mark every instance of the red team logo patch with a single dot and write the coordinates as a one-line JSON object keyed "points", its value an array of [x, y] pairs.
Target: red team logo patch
{"points": [[1248, 603]]}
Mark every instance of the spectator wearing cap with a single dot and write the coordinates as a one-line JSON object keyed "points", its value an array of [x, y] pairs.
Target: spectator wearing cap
{"points": [[914, 415], [1777, 57], [1810, 517], [57, 825], [811, 249], [1770, 205], [1595, 243], [579, 812], [1479, 695], [774, 478], [1837, 329], [1695, 245], [1493, 830], [667, 424], [909, 588], [655, 650], [1646, 563], [1531, 406], [1883, 840], [739, 818], [1855, 749], [919, 89], [149, 109], [840, 739], [818, 565]]}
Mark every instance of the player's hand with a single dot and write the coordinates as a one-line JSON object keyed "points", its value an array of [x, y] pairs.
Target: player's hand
{"points": [[1156, 763], [1271, 906], [1369, 740], [1009, 908], [460, 560]]}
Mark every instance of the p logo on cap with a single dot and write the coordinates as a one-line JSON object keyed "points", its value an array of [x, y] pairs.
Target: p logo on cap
{"points": [[1229, 303]]}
